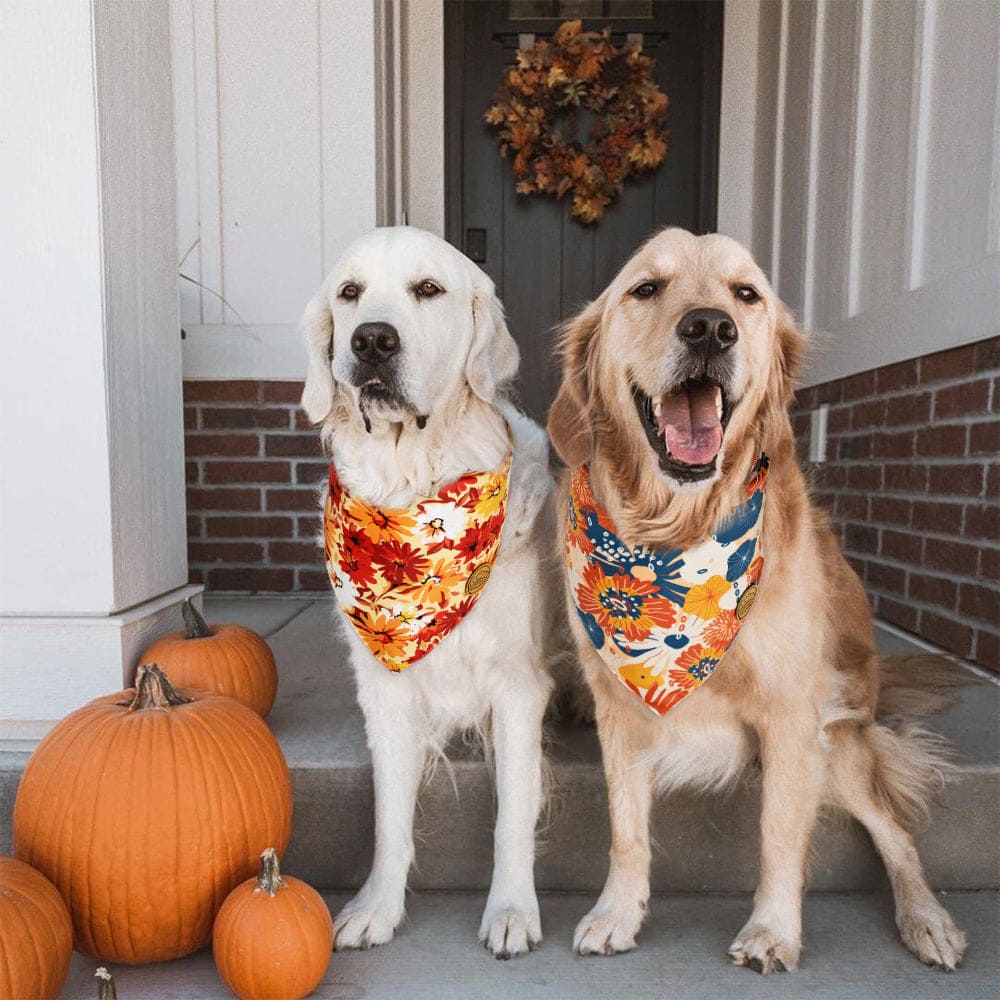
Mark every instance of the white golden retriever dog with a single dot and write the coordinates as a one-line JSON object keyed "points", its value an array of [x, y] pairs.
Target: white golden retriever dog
{"points": [[408, 357]]}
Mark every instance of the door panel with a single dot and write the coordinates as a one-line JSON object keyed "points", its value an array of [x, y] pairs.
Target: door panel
{"points": [[547, 264]]}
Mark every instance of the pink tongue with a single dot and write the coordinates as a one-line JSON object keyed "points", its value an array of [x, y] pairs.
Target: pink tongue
{"points": [[689, 423]]}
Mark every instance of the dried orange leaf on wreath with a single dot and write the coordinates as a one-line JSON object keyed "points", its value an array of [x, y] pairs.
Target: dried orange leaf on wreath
{"points": [[566, 31]]}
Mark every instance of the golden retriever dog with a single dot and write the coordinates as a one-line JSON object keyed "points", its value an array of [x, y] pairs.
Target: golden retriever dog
{"points": [[409, 357], [675, 380]]}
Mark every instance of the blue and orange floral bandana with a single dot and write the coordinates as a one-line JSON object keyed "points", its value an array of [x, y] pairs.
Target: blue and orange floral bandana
{"points": [[663, 619], [407, 576]]}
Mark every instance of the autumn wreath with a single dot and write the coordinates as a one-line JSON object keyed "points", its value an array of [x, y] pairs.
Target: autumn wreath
{"points": [[536, 112]]}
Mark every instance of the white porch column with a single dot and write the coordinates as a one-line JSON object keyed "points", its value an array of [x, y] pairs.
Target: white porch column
{"points": [[92, 513]]}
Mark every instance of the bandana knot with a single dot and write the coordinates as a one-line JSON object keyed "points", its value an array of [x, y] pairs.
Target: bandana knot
{"points": [[406, 576], [662, 619]]}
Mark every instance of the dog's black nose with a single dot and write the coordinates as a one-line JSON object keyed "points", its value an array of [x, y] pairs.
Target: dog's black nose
{"points": [[708, 330], [374, 342]]}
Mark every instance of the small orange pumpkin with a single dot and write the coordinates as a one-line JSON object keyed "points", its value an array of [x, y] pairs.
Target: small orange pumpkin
{"points": [[36, 934], [145, 809], [228, 659], [273, 936]]}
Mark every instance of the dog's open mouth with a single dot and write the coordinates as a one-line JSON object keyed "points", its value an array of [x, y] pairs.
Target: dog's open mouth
{"points": [[685, 426]]}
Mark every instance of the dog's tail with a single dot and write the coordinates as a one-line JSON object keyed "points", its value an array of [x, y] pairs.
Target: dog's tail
{"points": [[911, 762], [915, 685]]}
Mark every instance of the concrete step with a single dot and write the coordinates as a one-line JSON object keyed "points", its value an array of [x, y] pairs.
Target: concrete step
{"points": [[851, 952], [706, 843]]}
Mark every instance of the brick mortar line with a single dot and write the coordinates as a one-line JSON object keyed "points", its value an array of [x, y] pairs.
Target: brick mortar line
{"points": [[930, 461], [908, 568], [906, 495], [931, 571], [954, 616], [892, 395], [879, 588], [937, 536], [967, 420], [946, 382]]}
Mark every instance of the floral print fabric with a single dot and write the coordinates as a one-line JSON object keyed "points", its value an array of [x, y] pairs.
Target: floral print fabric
{"points": [[662, 620], [406, 577]]}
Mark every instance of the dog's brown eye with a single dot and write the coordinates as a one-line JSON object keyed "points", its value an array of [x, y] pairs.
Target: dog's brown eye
{"points": [[646, 290], [427, 290], [350, 292], [746, 293]]}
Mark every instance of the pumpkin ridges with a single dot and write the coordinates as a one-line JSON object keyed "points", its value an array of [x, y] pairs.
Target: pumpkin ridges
{"points": [[190, 736], [151, 758], [26, 934], [253, 769], [177, 745], [58, 842], [142, 727], [298, 914], [28, 777], [247, 848], [92, 891], [35, 917], [235, 660]]}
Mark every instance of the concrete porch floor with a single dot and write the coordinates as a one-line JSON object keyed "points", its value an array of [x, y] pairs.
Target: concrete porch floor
{"points": [[703, 871], [852, 952]]}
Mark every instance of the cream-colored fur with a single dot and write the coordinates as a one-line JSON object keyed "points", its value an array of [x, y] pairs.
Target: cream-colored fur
{"points": [[799, 689], [489, 673]]}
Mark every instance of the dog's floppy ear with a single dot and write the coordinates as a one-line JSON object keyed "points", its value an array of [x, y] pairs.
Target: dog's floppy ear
{"points": [[494, 356], [569, 425], [317, 324], [791, 352]]}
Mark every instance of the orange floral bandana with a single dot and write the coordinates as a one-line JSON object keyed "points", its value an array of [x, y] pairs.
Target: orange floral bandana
{"points": [[663, 619], [406, 576]]}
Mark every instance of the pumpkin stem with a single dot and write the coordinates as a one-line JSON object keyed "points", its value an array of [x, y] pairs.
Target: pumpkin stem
{"points": [[153, 690], [194, 624], [105, 985], [269, 880]]}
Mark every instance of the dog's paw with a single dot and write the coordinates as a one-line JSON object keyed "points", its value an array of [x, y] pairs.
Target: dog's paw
{"points": [[765, 949], [606, 931], [365, 922], [510, 930], [929, 932]]}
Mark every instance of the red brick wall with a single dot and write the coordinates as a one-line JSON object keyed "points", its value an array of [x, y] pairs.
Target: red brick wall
{"points": [[253, 463], [912, 480]]}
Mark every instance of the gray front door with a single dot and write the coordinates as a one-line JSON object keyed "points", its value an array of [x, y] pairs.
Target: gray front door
{"points": [[545, 263]]}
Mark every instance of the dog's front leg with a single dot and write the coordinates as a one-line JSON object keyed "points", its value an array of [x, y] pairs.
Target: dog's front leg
{"points": [[793, 766], [511, 924], [611, 926], [398, 747]]}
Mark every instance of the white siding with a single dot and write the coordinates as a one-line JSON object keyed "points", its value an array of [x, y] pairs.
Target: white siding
{"points": [[876, 173], [274, 115]]}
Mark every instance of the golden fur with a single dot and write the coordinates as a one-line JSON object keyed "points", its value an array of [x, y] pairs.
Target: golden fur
{"points": [[800, 688]]}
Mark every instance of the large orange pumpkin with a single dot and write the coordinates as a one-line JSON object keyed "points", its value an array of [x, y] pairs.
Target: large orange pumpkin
{"points": [[273, 936], [145, 809], [36, 934], [227, 659]]}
